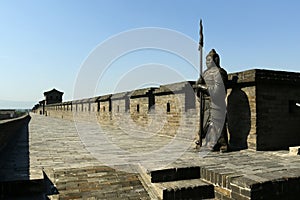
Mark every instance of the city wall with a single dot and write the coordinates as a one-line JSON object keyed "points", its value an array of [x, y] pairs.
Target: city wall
{"points": [[10, 128], [261, 105]]}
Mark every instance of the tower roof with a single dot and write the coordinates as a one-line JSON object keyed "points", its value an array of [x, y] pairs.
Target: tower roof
{"points": [[53, 90]]}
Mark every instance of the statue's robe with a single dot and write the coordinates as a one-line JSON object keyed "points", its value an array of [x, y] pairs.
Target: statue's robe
{"points": [[215, 131]]}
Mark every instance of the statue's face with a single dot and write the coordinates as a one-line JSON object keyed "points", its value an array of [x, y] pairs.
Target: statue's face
{"points": [[210, 62]]}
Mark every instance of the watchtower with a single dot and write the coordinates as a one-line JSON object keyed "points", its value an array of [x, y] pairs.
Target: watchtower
{"points": [[53, 96]]}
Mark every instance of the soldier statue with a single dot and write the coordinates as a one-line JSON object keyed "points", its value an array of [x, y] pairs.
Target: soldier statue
{"points": [[212, 84]]}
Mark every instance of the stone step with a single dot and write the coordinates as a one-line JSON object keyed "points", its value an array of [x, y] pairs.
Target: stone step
{"points": [[175, 183], [174, 174], [184, 189]]}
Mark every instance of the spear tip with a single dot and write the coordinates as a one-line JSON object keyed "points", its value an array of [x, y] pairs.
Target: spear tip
{"points": [[201, 35]]}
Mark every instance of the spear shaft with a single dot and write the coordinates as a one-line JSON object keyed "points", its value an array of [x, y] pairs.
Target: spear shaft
{"points": [[201, 127]]}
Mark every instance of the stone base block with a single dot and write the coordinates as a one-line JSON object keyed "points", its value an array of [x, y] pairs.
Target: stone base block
{"points": [[295, 150]]}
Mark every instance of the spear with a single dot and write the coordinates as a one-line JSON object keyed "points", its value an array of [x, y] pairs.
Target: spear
{"points": [[201, 47], [201, 128]]}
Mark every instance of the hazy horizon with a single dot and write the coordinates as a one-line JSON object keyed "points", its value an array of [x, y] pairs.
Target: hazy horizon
{"points": [[19, 105]]}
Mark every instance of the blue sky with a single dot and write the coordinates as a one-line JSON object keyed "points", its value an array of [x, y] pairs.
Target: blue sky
{"points": [[43, 44]]}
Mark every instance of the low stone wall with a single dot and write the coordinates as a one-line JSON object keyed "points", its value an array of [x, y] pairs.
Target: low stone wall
{"points": [[166, 110], [10, 128]]}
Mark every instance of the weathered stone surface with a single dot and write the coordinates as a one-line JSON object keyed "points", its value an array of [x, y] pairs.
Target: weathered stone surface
{"points": [[98, 182], [295, 150]]}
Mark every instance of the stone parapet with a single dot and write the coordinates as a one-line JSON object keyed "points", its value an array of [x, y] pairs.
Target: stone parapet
{"points": [[262, 108], [284, 77], [10, 128]]}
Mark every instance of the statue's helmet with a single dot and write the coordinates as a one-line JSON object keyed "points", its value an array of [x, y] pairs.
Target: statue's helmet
{"points": [[215, 57]]}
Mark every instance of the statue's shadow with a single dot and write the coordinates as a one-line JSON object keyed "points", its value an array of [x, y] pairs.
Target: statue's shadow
{"points": [[239, 117]]}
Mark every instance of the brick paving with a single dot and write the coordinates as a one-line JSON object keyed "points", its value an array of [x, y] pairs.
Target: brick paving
{"points": [[56, 148], [83, 167]]}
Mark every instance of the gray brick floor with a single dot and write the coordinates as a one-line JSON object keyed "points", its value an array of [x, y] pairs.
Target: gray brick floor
{"points": [[75, 155]]}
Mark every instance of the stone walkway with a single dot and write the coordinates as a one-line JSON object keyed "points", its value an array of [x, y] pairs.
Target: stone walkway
{"points": [[91, 162], [56, 148]]}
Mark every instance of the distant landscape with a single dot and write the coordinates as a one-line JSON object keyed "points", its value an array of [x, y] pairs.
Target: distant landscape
{"points": [[5, 104]]}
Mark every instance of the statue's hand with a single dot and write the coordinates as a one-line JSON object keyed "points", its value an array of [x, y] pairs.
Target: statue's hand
{"points": [[202, 88]]}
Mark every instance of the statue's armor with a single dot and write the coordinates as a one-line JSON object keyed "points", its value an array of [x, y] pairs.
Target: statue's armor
{"points": [[215, 79]]}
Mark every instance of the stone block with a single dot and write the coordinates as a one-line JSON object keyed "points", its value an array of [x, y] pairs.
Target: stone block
{"points": [[294, 151], [163, 175], [175, 174], [188, 173], [185, 189]]}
